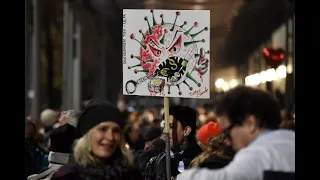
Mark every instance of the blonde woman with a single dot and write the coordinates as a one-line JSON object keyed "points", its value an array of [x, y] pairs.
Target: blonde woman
{"points": [[100, 152], [216, 153]]}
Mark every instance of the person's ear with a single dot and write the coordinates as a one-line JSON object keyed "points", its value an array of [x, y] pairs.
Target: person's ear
{"points": [[187, 131], [251, 124]]}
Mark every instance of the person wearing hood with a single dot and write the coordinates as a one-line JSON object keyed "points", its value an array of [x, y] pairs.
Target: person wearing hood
{"points": [[100, 152]]}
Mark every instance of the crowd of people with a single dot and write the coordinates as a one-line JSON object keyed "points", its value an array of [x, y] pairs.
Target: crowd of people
{"points": [[245, 136]]}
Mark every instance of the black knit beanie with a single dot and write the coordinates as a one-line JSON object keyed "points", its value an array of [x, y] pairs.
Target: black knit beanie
{"points": [[96, 112]]}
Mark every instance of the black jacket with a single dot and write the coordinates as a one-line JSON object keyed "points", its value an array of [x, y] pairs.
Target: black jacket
{"points": [[119, 171], [143, 158], [192, 151], [34, 158], [30, 163], [214, 163], [276, 175], [156, 167]]}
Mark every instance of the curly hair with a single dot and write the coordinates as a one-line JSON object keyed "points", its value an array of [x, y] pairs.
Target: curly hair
{"points": [[242, 101], [216, 148]]}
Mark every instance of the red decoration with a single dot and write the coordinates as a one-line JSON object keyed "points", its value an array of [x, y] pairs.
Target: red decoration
{"points": [[273, 57]]}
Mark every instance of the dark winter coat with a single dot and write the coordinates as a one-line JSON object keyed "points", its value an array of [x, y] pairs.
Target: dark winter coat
{"points": [[156, 167], [214, 163], [118, 171]]}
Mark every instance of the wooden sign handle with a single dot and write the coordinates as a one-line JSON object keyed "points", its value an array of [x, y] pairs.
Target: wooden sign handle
{"points": [[166, 131]]}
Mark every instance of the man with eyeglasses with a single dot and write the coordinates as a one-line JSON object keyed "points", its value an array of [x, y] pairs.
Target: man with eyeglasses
{"points": [[250, 119]]}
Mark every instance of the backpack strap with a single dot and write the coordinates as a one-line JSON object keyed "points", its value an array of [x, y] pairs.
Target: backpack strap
{"points": [[149, 170], [160, 167]]}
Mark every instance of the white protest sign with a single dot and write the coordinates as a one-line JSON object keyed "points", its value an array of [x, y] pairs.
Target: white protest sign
{"points": [[166, 53]]}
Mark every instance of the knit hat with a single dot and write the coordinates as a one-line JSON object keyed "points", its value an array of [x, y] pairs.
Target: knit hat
{"points": [[96, 112], [62, 138], [207, 131]]}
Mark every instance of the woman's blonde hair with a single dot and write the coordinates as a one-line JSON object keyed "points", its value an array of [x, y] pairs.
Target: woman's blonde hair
{"points": [[216, 148], [83, 153]]}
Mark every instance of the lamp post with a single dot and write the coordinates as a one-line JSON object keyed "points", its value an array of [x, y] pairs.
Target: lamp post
{"points": [[35, 69], [71, 94], [26, 59]]}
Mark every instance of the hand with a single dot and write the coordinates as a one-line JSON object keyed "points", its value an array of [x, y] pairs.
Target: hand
{"points": [[202, 65], [63, 117]]}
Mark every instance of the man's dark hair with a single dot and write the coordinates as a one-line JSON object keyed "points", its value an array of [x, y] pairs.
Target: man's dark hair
{"points": [[186, 116], [242, 101]]}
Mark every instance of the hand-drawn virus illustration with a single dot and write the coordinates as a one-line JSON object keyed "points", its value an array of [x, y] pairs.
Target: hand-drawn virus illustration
{"points": [[168, 55]]}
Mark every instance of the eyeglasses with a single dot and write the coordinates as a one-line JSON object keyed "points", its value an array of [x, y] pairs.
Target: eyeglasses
{"points": [[227, 131]]}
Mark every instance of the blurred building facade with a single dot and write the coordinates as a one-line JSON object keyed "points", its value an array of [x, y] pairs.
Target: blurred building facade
{"points": [[257, 73]]}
